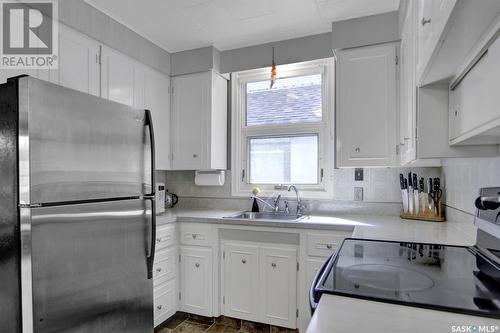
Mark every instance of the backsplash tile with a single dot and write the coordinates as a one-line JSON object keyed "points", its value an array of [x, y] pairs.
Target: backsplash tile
{"points": [[463, 177], [381, 191]]}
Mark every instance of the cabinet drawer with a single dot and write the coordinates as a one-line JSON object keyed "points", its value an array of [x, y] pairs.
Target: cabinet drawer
{"points": [[196, 234], [164, 302], [164, 267], [323, 245], [165, 236]]}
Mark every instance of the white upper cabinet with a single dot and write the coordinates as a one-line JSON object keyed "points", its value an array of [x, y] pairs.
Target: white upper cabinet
{"points": [[78, 62], [407, 88], [156, 98], [199, 121], [431, 21], [117, 77], [474, 102], [127, 81], [366, 107]]}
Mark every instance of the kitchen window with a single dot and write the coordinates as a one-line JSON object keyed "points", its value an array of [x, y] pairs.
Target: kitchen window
{"points": [[284, 134]]}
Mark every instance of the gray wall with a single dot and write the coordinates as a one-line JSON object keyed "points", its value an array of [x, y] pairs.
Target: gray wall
{"points": [[366, 30], [196, 60], [286, 52], [82, 17]]}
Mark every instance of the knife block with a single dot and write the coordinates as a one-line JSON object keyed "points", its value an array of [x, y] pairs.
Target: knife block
{"points": [[426, 211]]}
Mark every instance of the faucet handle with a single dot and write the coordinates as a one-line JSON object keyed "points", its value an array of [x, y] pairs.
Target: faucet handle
{"points": [[287, 207]]}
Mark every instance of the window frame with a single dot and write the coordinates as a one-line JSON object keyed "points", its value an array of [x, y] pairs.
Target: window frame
{"points": [[324, 129]]}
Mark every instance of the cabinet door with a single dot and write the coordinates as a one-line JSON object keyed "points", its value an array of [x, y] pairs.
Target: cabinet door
{"points": [[196, 281], [241, 281], [424, 28], [165, 301], [190, 108], [407, 92], [366, 109], [278, 286], [78, 62], [156, 98], [117, 77]]}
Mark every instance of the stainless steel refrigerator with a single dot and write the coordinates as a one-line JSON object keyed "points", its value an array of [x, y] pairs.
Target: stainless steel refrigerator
{"points": [[76, 212]]}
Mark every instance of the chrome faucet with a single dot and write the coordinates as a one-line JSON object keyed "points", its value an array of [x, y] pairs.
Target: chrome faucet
{"points": [[299, 204]]}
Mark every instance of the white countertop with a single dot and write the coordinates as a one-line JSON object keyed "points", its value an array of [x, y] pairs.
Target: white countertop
{"points": [[337, 314], [362, 226]]}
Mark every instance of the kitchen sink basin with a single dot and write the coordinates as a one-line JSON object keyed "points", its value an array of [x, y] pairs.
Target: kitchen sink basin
{"points": [[267, 216]]}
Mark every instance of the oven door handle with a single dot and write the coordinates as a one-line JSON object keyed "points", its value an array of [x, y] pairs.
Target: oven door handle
{"points": [[312, 302]]}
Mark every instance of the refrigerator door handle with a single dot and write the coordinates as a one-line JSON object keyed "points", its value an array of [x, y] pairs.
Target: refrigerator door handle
{"points": [[151, 196]]}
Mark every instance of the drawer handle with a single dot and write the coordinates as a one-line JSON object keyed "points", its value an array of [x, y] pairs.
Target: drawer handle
{"points": [[329, 246], [424, 21], [195, 155], [158, 240], [273, 265], [197, 265], [159, 307], [158, 269], [244, 260]]}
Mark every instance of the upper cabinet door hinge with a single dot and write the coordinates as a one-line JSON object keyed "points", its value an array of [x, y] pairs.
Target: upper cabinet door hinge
{"points": [[223, 254], [297, 313], [243, 175], [397, 149], [179, 258], [297, 266], [223, 299], [397, 60]]}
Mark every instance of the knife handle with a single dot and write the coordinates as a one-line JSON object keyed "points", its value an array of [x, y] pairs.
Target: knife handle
{"points": [[421, 185], [401, 181]]}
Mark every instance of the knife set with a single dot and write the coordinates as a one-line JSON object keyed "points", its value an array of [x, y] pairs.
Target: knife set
{"points": [[421, 199]]}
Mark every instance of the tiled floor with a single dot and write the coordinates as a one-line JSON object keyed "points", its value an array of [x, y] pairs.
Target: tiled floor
{"points": [[185, 323]]}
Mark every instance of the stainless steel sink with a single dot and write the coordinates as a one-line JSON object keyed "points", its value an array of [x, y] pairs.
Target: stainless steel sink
{"points": [[266, 216]]}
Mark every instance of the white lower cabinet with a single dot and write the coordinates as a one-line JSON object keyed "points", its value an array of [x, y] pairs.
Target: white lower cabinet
{"points": [[196, 280], [165, 301], [260, 283], [313, 267], [278, 286], [165, 273], [241, 269]]}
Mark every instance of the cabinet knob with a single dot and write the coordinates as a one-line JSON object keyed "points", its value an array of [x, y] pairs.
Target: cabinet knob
{"points": [[273, 265], [158, 240], [195, 155], [194, 236], [158, 269], [357, 150], [197, 265], [244, 261], [424, 21], [456, 113], [159, 307], [329, 246]]}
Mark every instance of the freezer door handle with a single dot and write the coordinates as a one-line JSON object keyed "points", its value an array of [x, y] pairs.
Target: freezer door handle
{"points": [[151, 196]]}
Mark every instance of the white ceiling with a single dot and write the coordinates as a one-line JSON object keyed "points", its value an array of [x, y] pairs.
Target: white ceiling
{"points": [[177, 25]]}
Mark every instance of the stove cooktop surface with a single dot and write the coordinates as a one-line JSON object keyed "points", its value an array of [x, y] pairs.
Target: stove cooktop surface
{"points": [[452, 278]]}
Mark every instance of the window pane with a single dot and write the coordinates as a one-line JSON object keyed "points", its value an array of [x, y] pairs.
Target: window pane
{"points": [[284, 160], [291, 100]]}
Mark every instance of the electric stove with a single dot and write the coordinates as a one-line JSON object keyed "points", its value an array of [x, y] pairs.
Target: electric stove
{"points": [[442, 277]]}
